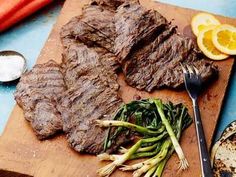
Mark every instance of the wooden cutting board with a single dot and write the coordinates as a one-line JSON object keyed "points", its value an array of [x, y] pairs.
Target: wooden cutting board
{"points": [[21, 153]]}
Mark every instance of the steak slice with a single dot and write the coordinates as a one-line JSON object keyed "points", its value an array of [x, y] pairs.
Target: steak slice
{"points": [[80, 106], [66, 33], [95, 27], [133, 23], [37, 94], [92, 95], [82, 62], [111, 5], [157, 64]]}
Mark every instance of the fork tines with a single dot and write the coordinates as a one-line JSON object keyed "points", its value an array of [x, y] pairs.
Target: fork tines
{"points": [[187, 69], [192, 80]]}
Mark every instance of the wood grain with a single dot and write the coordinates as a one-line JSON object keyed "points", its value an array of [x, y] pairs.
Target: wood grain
{"points": [[22, 153]]}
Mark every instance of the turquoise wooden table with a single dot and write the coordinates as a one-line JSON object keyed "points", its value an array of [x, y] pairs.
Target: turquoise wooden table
{"points": [[29, 36]]}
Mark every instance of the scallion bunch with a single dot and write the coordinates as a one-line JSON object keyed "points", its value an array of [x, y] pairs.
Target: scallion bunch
{"points": [[159, 127]]}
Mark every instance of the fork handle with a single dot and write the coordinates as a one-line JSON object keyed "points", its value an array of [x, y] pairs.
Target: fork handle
{"points": [[202, 145]]}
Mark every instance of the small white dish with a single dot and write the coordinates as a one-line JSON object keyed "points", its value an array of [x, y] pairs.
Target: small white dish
{"points": [[12, 65]]}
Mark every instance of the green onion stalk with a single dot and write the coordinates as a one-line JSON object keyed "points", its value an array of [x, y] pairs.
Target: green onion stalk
{"points": [[137, 128], [179, 126], [183, 161]]}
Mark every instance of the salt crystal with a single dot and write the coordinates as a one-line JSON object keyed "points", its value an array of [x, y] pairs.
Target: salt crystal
{"points": [[11, 67]]}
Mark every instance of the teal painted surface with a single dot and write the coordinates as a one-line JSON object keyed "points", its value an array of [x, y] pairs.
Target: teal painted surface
{"points": [[30, 35], [221, 7]]}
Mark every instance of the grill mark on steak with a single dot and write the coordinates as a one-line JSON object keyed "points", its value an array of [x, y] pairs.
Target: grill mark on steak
{"points": [[146, 42], [79, 115], [37, 94], [149, 72], [111, 5], [82, 62], [93, 92], [47, 120], [134, 23], [95, 27]]}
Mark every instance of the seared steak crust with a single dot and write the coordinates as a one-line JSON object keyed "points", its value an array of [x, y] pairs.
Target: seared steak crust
{"points": [[92, 95], [81, 62], [150, 50], [81, 106], [111, 5], [134, 23], [95, 27], [37, 94], [157, 64], [89, 72]]}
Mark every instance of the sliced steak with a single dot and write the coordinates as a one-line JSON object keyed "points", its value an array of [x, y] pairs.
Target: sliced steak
{"points": [[111, 5], [150, 50], [37, 94], [157, 64], [99, 39], [92, 95], [82, 62], [147, 47], [80, 106], [93, 92], [95, 27], [66, 33], [134, 23]]}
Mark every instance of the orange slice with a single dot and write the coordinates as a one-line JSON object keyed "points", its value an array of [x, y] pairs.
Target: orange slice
{"points": [[204, 41], [224, 39], [201, 21]]}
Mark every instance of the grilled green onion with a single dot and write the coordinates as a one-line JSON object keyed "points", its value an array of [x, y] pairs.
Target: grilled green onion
{"points": [[183, 161], [159, 127]]}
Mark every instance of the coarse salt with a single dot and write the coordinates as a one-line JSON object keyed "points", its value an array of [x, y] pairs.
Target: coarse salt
{"points": [[11, 67]]}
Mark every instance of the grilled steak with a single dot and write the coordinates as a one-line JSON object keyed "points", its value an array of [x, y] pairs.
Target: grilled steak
{"points": [[82, 62], [157, 64], [90, 76], [111, 5], [92, 95], [94, 27], [150, 50], [37, 94], [80, 106], [134, 23]]}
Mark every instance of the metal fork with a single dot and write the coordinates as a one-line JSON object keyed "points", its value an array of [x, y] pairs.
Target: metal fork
{"points": [[193, 84]]}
